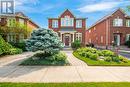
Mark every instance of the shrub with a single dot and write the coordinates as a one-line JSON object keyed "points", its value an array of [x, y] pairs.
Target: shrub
{"points": [[90, 45], [115, 59], [21, 45], [4, 46], [127, 43], [1, 52], [13, 51], [93, 56], [44, 40], [108, 53], [76, 44], [100, 53], [60, 56], [57, 57], [123, 59], [108, 59]]}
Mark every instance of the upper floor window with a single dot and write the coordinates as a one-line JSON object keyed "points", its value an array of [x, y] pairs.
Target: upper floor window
{"points": [[118, 22], [127, 23], [54, 23], [21, 21], [11, 22], [78, 23], [67, 21]]}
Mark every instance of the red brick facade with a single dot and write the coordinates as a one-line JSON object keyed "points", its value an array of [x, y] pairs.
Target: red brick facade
{"points": [[70, 30], [103, 33], [30, 26]]}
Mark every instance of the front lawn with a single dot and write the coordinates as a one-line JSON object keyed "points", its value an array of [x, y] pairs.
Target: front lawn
{"points": [[90, 84], [95, 61]]}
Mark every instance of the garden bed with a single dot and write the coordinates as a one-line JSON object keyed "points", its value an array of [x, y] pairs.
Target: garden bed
{"points": [[40, 59], [97, 62], [31, 62]]}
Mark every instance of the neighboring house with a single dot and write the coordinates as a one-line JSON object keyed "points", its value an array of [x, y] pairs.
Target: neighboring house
{"points": [[113, 28], [17, 27], [68, 27]]}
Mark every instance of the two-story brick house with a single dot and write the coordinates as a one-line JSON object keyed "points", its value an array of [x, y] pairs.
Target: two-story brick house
{"points": [[68, 27], [14, 25], [113, 28]]}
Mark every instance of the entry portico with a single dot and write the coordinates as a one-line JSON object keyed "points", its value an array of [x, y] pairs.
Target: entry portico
{"points": [[67, 37]]}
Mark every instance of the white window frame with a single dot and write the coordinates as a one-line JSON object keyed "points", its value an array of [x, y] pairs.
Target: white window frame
{"points": [[102, 39], [11, 22], [67, 21], [11, 37], [128, 23], [21, 37], [127, 37], [21, 21], [54, 23], [118, 22], [78, 23], [79, 36]]}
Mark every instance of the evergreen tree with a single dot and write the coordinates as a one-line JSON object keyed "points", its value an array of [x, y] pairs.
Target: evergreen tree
{"points": [[44, 40]]}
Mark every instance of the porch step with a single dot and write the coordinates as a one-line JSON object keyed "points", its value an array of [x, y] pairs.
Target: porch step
{"points": [[67, 49]]}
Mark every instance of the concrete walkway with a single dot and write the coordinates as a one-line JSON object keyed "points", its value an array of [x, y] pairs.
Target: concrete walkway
{"points": [[78, 72]]}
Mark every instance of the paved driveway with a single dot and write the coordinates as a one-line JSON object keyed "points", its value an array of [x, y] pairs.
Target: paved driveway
{"points": [[125, 54], [77, 72]]}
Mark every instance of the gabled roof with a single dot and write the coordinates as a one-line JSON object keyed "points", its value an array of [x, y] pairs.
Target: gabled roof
{"points": [[107, 16], [21, 15], [67, 10]]}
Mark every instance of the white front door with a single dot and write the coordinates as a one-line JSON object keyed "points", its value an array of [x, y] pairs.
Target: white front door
{"points": [[117, 39]]}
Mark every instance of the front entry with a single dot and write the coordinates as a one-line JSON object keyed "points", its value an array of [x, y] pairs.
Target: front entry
{"points": [[117, 39], [66, 40]]}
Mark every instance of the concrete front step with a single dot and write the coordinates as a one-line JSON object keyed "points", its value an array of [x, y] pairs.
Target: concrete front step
{"points": [[67, 49]]}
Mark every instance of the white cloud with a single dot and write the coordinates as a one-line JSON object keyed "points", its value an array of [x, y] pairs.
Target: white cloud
{"points": [[102, 6]]}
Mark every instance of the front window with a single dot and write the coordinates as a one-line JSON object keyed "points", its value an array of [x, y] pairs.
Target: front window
{"points": [[11, 22], [78, 23], [21, 37], [21, 21], [11, 37], [79, 36], [67, 21], [55, 23], [127, 23], [127, 37], [118, 22]]}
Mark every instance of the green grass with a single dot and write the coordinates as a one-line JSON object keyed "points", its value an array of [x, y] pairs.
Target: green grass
{"points": [[40, 62], [99, 62], [90, 84]]}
